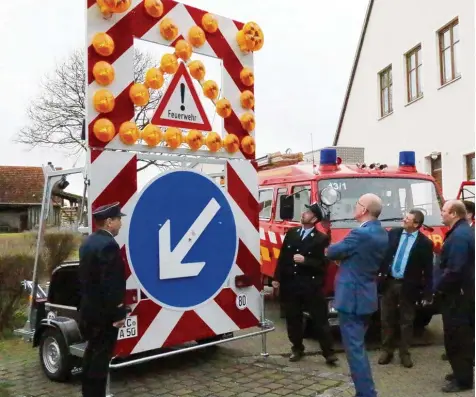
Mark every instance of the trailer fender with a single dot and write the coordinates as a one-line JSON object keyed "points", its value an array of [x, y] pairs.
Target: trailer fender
{"points": [[68, 327]]}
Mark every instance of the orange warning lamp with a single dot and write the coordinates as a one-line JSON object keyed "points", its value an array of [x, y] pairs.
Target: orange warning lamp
{"points": [[103, 101], [103, 73], [253, 36], [103, 44], [154, 8], [139, 94], [104, 130], [168, 29], [194, 139], [223, 108], [196, 36], [209, 23], [247, 77], [248, 145], [169, 63], [210, 89], [247, 99], [154, 78], [173, 137], [128, 133], [213, 141], [231, 143], [183, 50], [248, 121], [151, 135], [197, 70]]}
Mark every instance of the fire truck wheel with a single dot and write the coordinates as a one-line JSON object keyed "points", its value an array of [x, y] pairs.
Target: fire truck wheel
{"points": [[54, 355]]}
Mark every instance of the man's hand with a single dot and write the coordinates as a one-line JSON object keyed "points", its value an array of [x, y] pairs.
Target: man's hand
{"points": [[275, 284], [119, 324], [298, 258]]}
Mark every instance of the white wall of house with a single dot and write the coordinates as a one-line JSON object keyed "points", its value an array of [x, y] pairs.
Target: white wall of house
{"points": [[443, 119]]}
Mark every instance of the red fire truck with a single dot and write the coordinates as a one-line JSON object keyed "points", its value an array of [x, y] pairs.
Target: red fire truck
{"points": [[293, 183]]}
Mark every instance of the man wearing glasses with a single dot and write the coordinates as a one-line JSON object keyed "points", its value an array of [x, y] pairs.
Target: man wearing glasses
{"points": [[361, 254]]}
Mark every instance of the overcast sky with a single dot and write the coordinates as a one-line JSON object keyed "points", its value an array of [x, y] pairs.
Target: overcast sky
{"points": [[301, 72]]}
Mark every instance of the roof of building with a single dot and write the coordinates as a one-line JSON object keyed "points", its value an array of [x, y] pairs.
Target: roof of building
{"points": [[354, 70], [24, 185]]}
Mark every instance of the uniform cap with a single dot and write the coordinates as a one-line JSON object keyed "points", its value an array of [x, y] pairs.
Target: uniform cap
{"points": [[315, 208], [108, 211]]}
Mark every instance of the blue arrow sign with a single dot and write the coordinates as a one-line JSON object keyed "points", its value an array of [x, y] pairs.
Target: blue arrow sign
{"points": [[182, 239]]}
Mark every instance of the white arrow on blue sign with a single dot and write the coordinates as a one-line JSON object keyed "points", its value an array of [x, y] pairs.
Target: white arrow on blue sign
{"points": [[182, 239]]}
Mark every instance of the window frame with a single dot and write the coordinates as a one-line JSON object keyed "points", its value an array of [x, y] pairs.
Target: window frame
{"points": [[417, 50], [299, 187], [271, 206], [467, 158], [389, 86], [448, 27]]}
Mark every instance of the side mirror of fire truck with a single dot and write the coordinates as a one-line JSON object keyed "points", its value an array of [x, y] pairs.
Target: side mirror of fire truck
{"points": [[286, 207]]}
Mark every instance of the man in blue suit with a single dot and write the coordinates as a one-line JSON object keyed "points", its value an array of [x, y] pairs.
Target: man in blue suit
{"points": [[360, 254]]}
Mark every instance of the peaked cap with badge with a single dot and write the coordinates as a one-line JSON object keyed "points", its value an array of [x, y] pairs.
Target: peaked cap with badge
{"points": [[108, 211]]}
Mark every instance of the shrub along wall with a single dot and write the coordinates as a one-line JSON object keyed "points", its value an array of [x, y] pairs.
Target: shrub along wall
{"points": [[17, 257]]}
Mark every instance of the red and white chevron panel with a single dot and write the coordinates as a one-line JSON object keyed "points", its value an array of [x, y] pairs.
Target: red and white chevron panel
{"points": [[136, 23], [113, 176]]}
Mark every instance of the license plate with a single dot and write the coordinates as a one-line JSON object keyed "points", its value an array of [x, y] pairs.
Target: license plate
{"points": [[129, 330]]}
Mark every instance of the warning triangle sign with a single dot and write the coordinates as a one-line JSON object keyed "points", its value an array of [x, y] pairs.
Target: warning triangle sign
{"points": [[180, 106]]}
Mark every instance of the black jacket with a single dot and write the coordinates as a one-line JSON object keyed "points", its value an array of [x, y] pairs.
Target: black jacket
{"points": [[313, 270], [457, 260], [102, 278], [418, 276]]}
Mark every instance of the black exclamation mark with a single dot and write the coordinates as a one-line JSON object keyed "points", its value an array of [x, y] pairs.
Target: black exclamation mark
{"points": [[182, 94]]}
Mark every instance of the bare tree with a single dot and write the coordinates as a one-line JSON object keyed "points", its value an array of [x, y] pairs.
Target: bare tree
{"points": [[56, 116]]}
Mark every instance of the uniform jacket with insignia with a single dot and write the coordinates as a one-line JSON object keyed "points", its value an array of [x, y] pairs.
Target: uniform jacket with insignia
{"points": [[312, 247], [102, 278]]}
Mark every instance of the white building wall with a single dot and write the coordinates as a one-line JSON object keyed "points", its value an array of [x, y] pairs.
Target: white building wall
{"points": [[444, 119]]}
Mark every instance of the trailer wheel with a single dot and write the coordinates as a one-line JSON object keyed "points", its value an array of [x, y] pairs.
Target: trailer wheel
{"points": [[55, 359]]}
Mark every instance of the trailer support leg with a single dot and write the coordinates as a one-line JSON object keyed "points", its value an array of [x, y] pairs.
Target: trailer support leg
{"points": [[108, 385], [264, 346]]}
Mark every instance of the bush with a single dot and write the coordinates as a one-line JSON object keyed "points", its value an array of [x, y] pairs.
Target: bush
{"points": [[58, 247], [16, 265]]}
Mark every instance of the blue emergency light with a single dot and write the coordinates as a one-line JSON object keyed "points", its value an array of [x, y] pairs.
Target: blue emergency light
{"points": [[328, 157], [407, 159]]}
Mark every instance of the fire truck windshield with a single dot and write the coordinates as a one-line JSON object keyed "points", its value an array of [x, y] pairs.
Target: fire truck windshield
{"points": [[398, 195]]}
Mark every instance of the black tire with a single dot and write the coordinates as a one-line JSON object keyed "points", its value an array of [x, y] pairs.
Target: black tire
{"points": [[422, 319], [55, 358]]}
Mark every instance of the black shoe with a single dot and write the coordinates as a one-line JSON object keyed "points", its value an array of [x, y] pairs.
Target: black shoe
{"points": [[332, 360], [385, 358], [454, 387], [296, 356], [444, 357], [450, 377], [406, 361]]}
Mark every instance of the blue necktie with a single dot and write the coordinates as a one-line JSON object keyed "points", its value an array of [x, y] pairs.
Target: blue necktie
{"points": [[398, 262]]}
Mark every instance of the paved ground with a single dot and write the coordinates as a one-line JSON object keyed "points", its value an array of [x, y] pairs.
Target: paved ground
{"points": [[236, 369]]}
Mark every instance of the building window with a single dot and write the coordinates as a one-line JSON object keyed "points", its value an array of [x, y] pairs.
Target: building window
{"points": [[449, 52], [414, 86], [436, 169], [470, 167], [386, 106]]}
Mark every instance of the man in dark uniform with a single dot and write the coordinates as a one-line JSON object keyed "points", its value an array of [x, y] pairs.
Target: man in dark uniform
{"points": [[103, 285], [300, 274], [456, 288]]}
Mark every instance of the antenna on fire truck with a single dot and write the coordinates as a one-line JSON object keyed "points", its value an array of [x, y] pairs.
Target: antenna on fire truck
{"points": [[312, 151]]}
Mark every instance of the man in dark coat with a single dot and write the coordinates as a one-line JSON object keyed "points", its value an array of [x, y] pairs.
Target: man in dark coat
{"points": [[300, 274], [103, 285], [408, 264], [456, 288]]}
